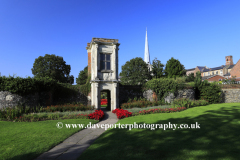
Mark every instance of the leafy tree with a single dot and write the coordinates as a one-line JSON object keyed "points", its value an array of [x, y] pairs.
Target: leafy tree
{"points": [[190, 77], [54, 67], [135, 72], [174, 68], [198, 75], [157, 68], [197, 84], [82, 77], [103, 95]]}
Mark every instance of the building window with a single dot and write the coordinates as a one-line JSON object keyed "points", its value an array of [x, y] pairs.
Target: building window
{"points": [[221, 72], [105, 63], [204, 74], [216, 72], [212, 73], [219, 79], [209, 73]]}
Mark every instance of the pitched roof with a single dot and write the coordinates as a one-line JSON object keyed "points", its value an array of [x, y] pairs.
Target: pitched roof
{"points": [[190, 69], [231, 66], [213, 69], [201, 67], [207, 77]]}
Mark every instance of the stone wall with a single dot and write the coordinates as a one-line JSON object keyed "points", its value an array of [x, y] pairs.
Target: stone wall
{"points": [[185, 93], [127, 92], [8, 99], [78, 98], [230, 95]]}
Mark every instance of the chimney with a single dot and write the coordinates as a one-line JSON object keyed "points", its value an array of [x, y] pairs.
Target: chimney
{"points": [[229, 60]]}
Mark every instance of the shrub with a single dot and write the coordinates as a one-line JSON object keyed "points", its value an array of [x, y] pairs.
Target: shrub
{"points": [[184, 102], [97, 115], [12, 113], [140, 104], [122, 113], [160, 110], [210, 92]]}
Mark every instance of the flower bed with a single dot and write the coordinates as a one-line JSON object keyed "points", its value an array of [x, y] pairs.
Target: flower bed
{"points": [[33, 117], [142, 103], [122, 113], [97, 115], [11, 113], [54, 116], [159, 110], [69, 107], [104, 102]]}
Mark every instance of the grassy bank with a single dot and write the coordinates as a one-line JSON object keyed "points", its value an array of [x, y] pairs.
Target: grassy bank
{"points": [[217, 138]]}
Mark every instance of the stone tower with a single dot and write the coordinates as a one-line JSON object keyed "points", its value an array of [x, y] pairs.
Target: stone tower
{"points": [[103, 68], [229, 60]]}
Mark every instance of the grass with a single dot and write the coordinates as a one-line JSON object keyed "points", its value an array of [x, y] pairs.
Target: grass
{"points": [[27, 140], [104, 106], [217, 138]]}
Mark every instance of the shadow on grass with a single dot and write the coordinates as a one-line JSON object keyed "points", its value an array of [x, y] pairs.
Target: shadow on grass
{"points": [[217, 138]]}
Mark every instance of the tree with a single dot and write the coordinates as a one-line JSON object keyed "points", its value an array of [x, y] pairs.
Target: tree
{"points": [[190, 77], [157, 68], [135, 72], [174, 68], [197, 84], [82, 77], [54, 67]]}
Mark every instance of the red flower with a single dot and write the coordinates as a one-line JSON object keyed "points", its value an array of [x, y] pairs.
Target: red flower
{"points": [[97, 115], [122, 113]]}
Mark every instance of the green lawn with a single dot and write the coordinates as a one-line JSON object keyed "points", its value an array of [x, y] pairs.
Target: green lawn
{"points": [[217, 138], [27, 140]]}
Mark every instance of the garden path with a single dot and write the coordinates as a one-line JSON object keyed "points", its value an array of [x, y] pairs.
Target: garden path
{"points": [[72, 147]]}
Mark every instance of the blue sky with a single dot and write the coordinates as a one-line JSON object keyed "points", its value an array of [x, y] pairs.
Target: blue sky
{"points": [[196, 32]]}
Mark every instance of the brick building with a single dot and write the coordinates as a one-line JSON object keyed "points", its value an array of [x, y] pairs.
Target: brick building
{"points": [[229, 70]]}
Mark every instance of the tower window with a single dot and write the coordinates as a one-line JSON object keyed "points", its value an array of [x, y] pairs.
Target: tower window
{"points": [[105, 62]]}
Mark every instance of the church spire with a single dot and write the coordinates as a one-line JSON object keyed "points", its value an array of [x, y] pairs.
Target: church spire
{"points": [[146, 54]]}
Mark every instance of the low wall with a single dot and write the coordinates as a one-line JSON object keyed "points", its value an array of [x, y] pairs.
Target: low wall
{"points": [[230, 95], [185, 93], [78, 98], [127, 92], [8, 99]]}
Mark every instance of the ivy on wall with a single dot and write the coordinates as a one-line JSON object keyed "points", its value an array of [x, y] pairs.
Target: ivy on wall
{"points": [[163, 86], [86, 88]]}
